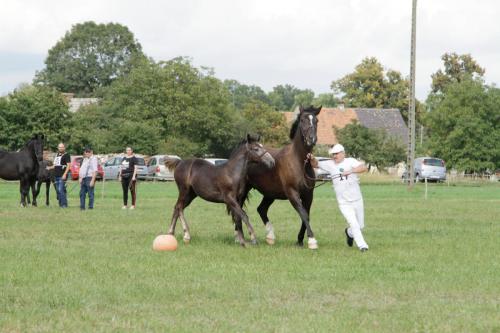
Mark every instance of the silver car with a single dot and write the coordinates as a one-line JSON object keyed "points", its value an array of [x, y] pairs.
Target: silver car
{"points": [[113, 165], [430, 168], [216, 161], [157, 169]]}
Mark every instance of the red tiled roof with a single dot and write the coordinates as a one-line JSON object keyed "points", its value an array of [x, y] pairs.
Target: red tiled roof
{"points": [[388, 119]]}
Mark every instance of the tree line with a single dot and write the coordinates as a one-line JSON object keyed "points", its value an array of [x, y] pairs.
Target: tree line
{"points": [[174, 107]]}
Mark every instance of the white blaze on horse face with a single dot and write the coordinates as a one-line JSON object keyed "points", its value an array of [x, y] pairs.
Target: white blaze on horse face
{"points": [[311, 120]]}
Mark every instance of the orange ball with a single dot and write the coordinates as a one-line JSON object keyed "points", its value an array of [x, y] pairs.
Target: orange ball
{"points": [[165, 243]]}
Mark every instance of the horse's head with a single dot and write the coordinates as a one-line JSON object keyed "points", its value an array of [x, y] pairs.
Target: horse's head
{"points": [[257, 152], [307, 123], [36, 144]]}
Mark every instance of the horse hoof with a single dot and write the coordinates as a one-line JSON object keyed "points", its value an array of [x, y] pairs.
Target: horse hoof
{"points": [[187, 240], [270, 241], [253, 242], [312, 244], [299, 244]]}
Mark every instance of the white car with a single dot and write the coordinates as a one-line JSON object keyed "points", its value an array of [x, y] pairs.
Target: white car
{"points": [[216, 161], [113, 165], [157, 169], [430, 168]]}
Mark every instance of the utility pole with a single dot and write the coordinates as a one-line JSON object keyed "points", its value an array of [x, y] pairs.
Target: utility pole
{"points": [[411, 109]]}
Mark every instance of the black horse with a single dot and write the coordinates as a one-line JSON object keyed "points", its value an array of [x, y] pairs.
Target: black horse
{"points": [[222, 184], [292, 178], [23, 166], [45, 177]]}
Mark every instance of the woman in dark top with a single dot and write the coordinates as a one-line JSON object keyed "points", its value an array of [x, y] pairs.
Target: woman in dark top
{"points": [[128, 173]]}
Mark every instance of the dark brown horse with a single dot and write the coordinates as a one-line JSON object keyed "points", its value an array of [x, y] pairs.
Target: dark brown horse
{"points": [[223, 184], [292, 178]]}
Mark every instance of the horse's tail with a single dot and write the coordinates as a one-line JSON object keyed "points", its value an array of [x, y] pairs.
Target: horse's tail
{"points": [[171, 163]]}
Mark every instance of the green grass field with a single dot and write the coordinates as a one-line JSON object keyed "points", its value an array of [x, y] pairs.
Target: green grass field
{"points": [[433, 265]]}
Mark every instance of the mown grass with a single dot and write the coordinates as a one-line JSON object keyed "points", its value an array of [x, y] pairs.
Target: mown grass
{"points": [[433, 265]]}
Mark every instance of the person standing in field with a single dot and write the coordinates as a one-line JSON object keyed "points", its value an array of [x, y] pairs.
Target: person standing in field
{"points": [[344, 172], [127, 176], [61, 168], [86, 178]]}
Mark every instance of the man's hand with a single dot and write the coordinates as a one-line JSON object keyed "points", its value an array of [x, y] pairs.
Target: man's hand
{"points": [[312, 160], [80, 181], [92, 183]]}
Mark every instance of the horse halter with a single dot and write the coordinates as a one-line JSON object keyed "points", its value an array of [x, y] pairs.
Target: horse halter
{"points": [[261, 146], [306, 134]]}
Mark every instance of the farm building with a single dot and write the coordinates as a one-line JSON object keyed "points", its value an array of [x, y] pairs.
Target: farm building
{"points": [[389, 120]]}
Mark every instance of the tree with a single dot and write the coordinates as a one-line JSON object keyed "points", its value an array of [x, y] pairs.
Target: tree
{"points": [[283, 97], [262, 119], [326, 99], [464, 126], [305, 98], [33, 109], [177, 103], [242, 94], [88, 57], [369, 86], [457, 68], [375, 147]]}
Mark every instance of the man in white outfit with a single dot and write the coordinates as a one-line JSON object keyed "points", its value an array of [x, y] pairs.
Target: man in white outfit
{"points": [[346, 184]]}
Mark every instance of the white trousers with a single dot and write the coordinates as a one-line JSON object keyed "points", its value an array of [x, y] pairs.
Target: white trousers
{"points": [[355, 216]]}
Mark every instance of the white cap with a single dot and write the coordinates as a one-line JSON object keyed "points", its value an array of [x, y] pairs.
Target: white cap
{"points": [[336, 149]]}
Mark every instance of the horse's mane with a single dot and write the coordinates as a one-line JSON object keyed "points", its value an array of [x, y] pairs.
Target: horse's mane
{"points": [[294, 128], [237, 148]]}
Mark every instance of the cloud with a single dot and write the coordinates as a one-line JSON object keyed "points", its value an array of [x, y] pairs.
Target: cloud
{"points": [[304, 43]]}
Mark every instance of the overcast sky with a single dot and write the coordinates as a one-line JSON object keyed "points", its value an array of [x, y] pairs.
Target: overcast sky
{"points": [[304, 43]]}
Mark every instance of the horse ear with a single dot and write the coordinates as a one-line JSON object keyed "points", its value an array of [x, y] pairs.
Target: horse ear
{"points": [[318, 110], [301, 108], [253, 138]]}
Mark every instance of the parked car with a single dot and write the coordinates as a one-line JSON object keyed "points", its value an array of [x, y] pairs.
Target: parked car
{"points": [[431, 168], [158, 170], [216, 161], [74, 168], [113, 165]]}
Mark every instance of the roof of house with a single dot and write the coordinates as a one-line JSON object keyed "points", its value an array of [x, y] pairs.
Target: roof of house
{"points": [[388, 119]]}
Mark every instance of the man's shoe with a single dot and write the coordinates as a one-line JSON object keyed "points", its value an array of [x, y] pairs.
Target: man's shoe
{"points": [[363, 249], [349, 239]]}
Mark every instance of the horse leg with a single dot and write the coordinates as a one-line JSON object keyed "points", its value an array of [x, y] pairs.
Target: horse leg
{"points": [[307, 202], [238, 215], [34, 192], [237, 221], [47, 192], [22, 191], [186, 196], [262, 210], [295, 200]]}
